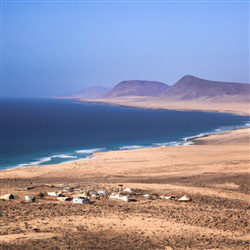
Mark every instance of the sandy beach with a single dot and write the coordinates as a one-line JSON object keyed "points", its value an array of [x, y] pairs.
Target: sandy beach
{"points": [[234, 105], [214, 173]]}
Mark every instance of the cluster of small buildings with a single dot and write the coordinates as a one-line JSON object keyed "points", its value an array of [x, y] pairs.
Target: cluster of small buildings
{"points": [[82, 196]]}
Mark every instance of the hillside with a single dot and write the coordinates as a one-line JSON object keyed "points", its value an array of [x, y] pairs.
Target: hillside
{"points": [[137, 88], [190, 87]]}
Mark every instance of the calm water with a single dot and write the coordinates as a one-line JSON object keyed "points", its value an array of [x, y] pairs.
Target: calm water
{"points": [[45, 131]]}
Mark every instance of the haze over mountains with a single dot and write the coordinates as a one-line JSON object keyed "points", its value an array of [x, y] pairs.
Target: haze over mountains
{"points": [[90, 92], [187, 88]]}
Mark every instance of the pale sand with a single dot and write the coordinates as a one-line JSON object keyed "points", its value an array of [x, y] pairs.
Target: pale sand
{"points": [[214, 172], [222, 153], [213, 105]]}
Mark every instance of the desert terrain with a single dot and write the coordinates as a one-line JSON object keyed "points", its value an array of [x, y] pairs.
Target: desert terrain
{"points": [[214, 173]]}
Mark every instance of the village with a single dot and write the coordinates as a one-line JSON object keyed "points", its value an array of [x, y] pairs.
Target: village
{"points": [[80, 195]]}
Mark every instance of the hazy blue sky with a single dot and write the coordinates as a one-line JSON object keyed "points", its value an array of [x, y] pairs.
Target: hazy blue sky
{"points": [[58, 47]]}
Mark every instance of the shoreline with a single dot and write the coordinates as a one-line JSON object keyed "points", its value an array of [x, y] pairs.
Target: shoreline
{"points": [[179, 142], [214, 173], [175, 105], [194, 140], [183, 110], [197, 141]]}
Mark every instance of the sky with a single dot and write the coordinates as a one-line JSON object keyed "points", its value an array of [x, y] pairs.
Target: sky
{"points": [[56, 47]]}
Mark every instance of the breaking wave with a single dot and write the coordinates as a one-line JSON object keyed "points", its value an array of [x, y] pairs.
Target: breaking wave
{"points": [[89, 151], [132, 147], [173, 143], [47, 160], [190, 138], [186, 141], [35, 163], [63, 156], [219, 130]]}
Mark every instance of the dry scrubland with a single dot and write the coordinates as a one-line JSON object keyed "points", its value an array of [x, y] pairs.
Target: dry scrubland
{"points": [[214, 173]]}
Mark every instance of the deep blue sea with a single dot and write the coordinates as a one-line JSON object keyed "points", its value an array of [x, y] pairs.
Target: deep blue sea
{"points": [[46, 131]]}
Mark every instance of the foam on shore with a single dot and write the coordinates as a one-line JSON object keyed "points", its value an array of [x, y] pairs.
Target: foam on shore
{"points": [[88, 153]]}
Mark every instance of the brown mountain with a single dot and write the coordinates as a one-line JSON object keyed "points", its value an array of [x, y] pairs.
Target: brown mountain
{"points": [[90, 92], [190, 87], [137, 88]]}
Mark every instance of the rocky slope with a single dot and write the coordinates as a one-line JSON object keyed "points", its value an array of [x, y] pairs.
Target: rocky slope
{"points": [[137, 88], [190, 87]]}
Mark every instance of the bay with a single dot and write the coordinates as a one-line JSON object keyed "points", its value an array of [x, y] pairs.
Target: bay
{"points": [[48, 131]]}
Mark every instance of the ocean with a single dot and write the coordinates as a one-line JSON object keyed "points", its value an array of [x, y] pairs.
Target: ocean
{"points": [[48, 131]]}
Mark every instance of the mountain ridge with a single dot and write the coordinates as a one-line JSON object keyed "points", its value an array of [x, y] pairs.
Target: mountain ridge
{"points": [[136, 88], [187, 88], [190, 87]]}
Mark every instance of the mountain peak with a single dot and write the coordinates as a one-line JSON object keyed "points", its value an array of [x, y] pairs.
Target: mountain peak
{"points": [[190, 87], [189, 77], [137, 88]]}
